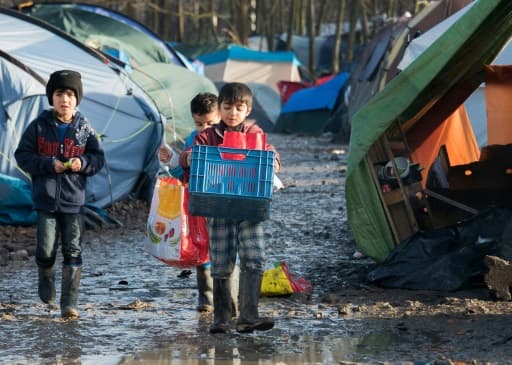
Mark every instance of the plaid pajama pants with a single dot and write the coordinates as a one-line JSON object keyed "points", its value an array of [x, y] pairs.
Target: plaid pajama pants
{"points": [[231, 237]]}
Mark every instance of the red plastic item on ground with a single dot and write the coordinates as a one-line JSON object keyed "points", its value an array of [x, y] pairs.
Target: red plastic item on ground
{"points": [[298, 283]]}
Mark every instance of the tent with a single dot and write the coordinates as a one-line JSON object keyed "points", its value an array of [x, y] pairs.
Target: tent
{"points": [[107, 30], [22, 97], [67, 16], [309, 110], [152, 63], [418, 110], [475, 104], [236, 63], [129, 123], [377, 64], [172, 88]]}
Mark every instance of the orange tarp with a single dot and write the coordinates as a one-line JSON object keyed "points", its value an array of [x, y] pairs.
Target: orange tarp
{"points": [[455, 133]]}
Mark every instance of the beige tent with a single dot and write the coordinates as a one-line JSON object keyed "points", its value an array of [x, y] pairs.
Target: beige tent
{"points": [[245, 65]]}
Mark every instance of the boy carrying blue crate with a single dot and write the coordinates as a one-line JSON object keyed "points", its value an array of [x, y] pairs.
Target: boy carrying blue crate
{"points": [[229, 237]]}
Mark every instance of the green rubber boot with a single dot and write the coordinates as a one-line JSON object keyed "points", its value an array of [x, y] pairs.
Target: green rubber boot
{"points": [[221, 306], [205, 289], [249, 320], [69, 292], [46, 285]]}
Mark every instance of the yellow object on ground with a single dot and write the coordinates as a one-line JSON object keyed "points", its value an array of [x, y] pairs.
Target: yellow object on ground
{"points": [[275, 282]]}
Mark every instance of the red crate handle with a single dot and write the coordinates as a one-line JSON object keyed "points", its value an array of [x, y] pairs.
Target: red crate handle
{"points": [[232, 153]]}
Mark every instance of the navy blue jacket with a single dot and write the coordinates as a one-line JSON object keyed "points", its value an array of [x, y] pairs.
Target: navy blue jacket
{"points": [[40, 146]]}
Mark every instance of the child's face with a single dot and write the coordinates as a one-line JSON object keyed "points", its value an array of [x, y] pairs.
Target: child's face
{"points": [[234, 114], [64, 103], [203, 121]]}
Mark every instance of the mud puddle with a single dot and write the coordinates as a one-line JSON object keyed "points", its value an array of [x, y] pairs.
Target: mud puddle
{"points": [[136, 310]]}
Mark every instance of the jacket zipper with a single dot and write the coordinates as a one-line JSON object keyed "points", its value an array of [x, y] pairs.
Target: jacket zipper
{"points": [[58, 188]]}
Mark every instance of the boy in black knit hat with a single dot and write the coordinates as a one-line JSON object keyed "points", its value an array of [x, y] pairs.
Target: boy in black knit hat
{"points": [[60, 149]]}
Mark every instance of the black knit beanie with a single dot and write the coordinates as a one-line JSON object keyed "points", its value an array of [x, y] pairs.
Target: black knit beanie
{"points": [[64, 79]]}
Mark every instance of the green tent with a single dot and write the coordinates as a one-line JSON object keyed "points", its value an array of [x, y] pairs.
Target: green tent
{"points": [[172, 88], [102, 29], [433, 86]]}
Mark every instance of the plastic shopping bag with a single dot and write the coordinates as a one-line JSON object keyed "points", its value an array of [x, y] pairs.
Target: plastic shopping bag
{"points": [[279, 281], [172, 235]]}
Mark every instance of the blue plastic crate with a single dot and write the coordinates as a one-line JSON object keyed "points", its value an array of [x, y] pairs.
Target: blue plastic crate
{"points": [[238, 188]]}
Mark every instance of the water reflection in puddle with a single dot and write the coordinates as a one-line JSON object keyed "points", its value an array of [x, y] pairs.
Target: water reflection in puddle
{"points": [[135, 310], [302, 350]]}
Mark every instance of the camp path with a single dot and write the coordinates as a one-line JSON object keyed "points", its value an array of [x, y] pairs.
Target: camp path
{"points": [[135, 310]]}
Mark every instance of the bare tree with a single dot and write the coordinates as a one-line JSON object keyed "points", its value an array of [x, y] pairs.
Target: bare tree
{"points": [[301, 17], [340, 18], [321, 16], [213, 20], [271, 25], [291, 20], [243, 21], [392, 7], [180, 22], [365, 29], [311, 36], [354, 5]]}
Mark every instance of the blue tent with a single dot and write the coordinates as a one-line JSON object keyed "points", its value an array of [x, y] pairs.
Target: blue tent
{"points": [[309, 110], [235, 52]]}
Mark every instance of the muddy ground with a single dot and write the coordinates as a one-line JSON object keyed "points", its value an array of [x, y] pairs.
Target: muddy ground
{"points": [[135, 310]]}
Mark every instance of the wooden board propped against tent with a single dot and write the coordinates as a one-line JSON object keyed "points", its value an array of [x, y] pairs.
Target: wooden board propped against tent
{"points": [[498, 93]]}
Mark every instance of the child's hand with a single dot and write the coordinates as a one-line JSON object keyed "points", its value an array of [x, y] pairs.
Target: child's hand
{"points": [[58, 166], [164, 154], [75, 164], [276, 167]]}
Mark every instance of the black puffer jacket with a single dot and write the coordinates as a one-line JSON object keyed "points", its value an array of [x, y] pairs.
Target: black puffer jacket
{"points": [[39, 147]]}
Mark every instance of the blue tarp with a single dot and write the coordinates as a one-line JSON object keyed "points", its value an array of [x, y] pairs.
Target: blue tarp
{"points": [[234, 52], [318, 97]]}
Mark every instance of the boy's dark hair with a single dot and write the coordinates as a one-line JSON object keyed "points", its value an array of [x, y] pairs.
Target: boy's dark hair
{"points": [[235, 92], [203, 103]]}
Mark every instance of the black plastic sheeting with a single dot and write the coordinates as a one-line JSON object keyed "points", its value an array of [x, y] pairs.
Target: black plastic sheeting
{"points": [[450, 258]]}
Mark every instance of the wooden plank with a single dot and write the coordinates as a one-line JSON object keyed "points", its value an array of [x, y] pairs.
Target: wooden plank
{"points": [[410, 213], [452, 202], [386, 208]]}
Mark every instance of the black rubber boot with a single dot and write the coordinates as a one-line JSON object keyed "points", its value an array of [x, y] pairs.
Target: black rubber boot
{"points": [[249, 296], [46, 286], [221, 306], [69, 291], [205, 289]]}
